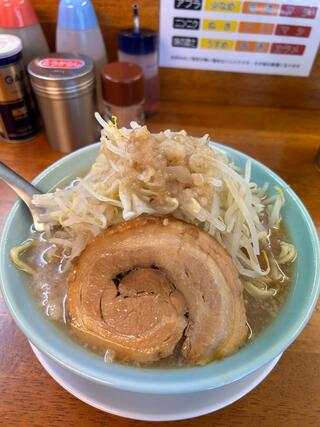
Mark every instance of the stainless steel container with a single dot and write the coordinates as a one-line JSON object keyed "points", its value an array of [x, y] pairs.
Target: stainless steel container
{"points": [[64, 85]]}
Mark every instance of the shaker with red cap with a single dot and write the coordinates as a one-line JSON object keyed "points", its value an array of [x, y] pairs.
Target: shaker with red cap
{"points": [[18, 18]]}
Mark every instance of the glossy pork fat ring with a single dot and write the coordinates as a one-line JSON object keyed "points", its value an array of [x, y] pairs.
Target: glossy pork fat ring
{"points": [[152, 287]]}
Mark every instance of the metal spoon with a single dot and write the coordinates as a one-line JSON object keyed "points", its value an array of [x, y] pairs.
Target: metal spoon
{"points": [[24, 189]]}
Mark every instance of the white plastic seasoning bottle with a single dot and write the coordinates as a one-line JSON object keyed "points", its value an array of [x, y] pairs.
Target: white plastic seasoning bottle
{"points": [[78, 32], [18, 18]]}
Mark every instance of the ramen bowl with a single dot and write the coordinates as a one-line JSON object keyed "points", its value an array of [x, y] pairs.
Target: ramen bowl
{"points": [[54, 342]]}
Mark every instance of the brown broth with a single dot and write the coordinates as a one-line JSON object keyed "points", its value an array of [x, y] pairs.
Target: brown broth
{"points": [[49, 287]]}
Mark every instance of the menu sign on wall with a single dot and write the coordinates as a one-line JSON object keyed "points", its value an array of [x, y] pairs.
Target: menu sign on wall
{"points": [[267, 37]]}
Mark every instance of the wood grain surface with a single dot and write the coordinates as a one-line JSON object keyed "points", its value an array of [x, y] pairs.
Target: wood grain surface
{"points": [[197, 86], [287, 142]]}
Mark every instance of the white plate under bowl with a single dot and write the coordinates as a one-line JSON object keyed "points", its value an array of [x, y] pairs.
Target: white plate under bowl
{"points": [[152, 407]]}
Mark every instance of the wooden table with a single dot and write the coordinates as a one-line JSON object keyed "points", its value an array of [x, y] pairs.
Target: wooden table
{"points": [[286, 141]]}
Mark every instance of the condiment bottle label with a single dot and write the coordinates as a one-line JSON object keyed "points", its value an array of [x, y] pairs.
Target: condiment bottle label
{"points": [[14, 84], [18, 112], [61, 63]]}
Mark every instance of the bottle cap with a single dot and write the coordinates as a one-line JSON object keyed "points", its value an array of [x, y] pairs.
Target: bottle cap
{"points": [[122, 84], [9, 45], [141, 43], [17, 14], [61, 75], [76, 15]]}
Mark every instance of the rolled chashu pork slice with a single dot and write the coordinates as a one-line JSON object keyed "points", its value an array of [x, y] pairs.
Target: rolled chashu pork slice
{"points": [[153, 287]]}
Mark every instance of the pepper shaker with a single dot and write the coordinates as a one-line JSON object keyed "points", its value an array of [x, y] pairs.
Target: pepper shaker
{"points": [[123, 92], [64, 85]]}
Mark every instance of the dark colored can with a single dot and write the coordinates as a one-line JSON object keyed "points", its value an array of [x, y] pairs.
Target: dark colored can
{"points": [[19, 119]]}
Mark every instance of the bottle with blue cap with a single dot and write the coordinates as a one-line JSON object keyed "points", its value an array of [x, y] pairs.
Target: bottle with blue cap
{"points": [[78, 32], [140, 46]]}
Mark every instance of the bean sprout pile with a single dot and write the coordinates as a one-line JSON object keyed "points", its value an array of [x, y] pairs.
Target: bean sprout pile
{"points": [[170, 173]]}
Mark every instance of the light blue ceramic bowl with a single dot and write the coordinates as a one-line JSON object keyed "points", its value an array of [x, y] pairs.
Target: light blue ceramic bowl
{"points": [[48, 338]]}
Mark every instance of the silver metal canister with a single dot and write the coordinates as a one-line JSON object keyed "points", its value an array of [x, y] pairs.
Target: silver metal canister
{"points": [[64, 85]]}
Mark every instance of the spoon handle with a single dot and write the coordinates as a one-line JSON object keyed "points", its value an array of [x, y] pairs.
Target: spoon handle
{"points": [[22, 187]]}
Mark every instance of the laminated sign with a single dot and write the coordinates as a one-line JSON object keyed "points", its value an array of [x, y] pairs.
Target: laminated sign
{"points": [[266, 37]]}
